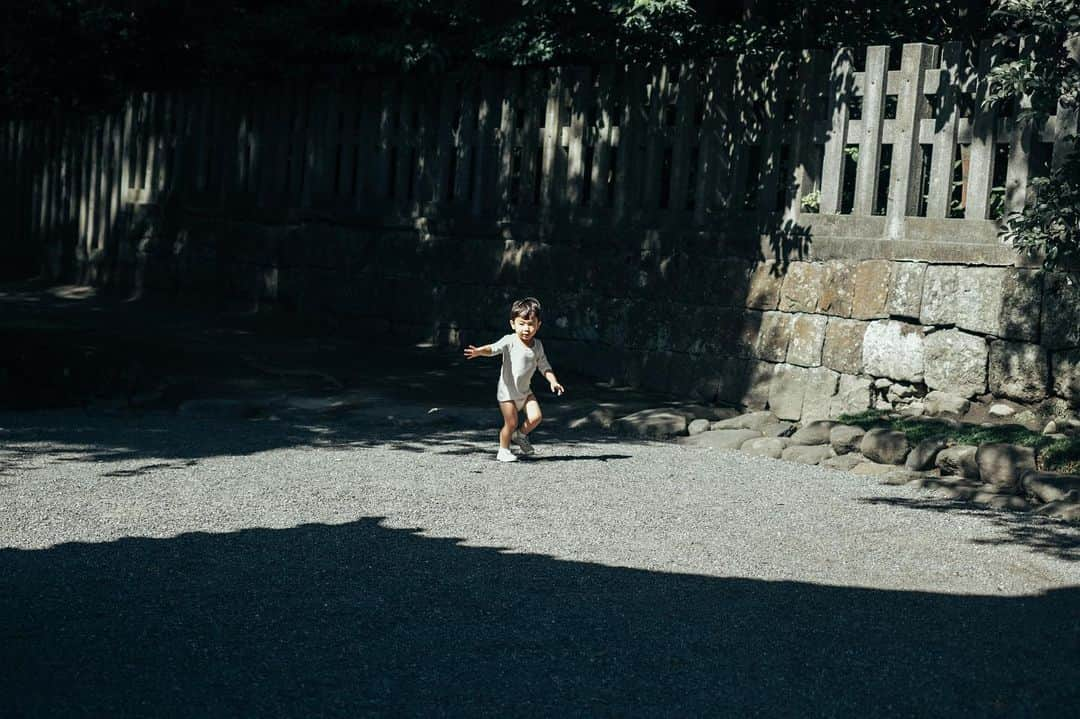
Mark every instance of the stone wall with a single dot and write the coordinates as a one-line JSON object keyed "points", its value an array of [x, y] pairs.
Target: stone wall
{"points": [[690, 313]]}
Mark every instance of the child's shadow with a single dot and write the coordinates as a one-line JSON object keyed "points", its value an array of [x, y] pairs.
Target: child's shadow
{"points": [[572, 457]]}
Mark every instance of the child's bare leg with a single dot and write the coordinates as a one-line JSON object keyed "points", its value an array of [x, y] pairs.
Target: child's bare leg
{"points": [[510, 423], [533, 416]]}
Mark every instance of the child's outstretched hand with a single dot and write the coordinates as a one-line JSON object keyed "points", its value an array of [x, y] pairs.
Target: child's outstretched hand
{"points": [[557, 388], [472, 352]]}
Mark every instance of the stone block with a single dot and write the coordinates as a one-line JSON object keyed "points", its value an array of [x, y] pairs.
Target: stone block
{"points": [[961, 296], [787, 390], [871, 290], [778, 429], [956, 361], [660, 423], [750, 420], [721, 438], [843, 346], [1050, 486], [1019, 370], [894, 349], [845, 462], [807, 454], [730, 282], [1021, 305], [1067, 509], [1066, 374], [852, 396], [924, 454], [838, 289], [958, 460], [937, 403], [845, 438], [745, 332], [991, 300], [813, 433], [774, 336], [763, 289], [765, 446], [802, 287], [1001, 465], [905, 294], [821, 387], [807, 338], [885, 446], [654, 370], [1061, 308], [757, 385]]}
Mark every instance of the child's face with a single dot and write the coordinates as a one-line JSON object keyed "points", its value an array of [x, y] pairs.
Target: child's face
{"points": [[525, 327]]}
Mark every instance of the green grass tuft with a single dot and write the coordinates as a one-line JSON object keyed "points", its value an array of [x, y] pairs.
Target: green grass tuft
{"points": [[1054, 455]]}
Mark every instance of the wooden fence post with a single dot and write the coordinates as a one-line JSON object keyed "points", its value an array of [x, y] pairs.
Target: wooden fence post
{"points": [[904, 186], [873, 111], [841, 89], [951, 82], [983, 140]]}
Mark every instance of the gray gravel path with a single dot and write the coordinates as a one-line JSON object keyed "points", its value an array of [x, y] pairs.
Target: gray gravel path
{"points": [[173, 566]]}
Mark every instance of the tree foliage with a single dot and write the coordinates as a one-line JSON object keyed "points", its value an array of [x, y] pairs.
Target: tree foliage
{"points": [[85, 52], [1045, 73]]}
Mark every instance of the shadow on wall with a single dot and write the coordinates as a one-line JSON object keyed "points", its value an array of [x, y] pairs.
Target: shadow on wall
{"points": [[361, 618], [649, 296]]}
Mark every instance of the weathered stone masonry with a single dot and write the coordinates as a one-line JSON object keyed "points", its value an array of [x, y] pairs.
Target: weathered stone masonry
{"points": [[810, 339]]}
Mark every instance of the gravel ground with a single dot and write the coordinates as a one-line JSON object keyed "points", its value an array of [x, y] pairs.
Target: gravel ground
{"points": [[162, 565]]}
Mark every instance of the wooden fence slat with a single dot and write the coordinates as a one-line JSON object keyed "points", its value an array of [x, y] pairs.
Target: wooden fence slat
{"points": [[582, 91], [405, 141], [444, 166], [609, 115], [906, 170], [980, 175], [552, 140], [507, 141], [1020, 137], [485, 172], [745, 132], [686, 140], [148, 138], [130, 134], [1064, 139], [530, 136], [465, 142], [778, 85], [634, 106], [805, 174], [716, 139], [659, 94], [943, 154], [115, 221], [873, 112]]}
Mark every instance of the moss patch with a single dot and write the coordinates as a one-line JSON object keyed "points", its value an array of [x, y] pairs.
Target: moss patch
{"points": [[1054, 455]]}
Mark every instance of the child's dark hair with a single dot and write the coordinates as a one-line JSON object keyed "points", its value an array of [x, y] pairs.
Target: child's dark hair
{"points": [[526, 308]]}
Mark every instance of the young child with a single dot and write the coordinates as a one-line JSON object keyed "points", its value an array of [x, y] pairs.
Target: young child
{"points": [[522, 354]]}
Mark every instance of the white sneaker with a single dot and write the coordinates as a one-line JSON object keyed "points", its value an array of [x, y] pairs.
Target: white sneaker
{"points": [[522, 442], [505, 455]]}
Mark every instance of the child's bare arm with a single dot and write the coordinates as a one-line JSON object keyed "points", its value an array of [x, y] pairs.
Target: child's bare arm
{"points": [[554, 382], [472, 352]]}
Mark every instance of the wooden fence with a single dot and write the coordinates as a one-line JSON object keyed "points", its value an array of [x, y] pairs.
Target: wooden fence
{"points": [[855, 145]]}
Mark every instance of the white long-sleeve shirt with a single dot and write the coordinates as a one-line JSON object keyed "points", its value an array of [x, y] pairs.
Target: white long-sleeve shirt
{"points": [[519, 363]]}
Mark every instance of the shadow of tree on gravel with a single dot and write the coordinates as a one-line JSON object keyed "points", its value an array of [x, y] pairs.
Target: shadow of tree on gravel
{"points": [[165, 441], [360, 618], [1042, 535]]}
